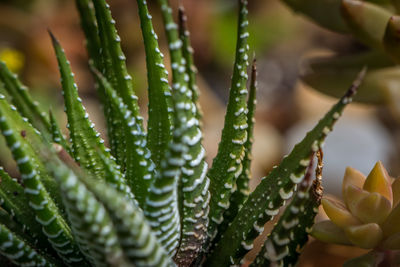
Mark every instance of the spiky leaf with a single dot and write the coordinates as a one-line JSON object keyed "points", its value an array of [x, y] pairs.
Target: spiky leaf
{"points": [[87, 146], [227, 165], [264, 202], [137, 241], [21, 98], [19, 252], [290, 234], [34, 177], [90, 222], [160, 106], [140, 169], [187, 53]]}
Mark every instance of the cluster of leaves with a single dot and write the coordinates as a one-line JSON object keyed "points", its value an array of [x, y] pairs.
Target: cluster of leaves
{"points": [[375, 25], [149, 199], [367, 218]]}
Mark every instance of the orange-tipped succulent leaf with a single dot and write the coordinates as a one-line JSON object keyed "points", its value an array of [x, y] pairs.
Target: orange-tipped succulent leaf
{"points": [[329, 232], [338, 213], [365, 236], [379, 181]]}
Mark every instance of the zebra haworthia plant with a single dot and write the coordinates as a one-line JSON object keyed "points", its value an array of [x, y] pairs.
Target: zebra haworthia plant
{"points": [[150, 199]]}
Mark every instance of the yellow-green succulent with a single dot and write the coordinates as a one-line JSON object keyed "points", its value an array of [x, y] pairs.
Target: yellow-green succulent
{"points": [[369, 215]]}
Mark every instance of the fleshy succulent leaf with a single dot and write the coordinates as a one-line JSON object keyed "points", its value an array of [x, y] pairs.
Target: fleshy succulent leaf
{"points": [[21, 98], [353, 195], [352, 177], [56, 134], [90, 222], [16, 203], [87, 144], [366, 21], [329, 232], [316, 10], [99, 57], [392, 242], [160, 106], [338, 213], [183, 159], [392, 38], [321, 74], [264, 202], [364, 236], [390, 226], [89, 27], [396, 191], [242, 183], [140, 169], [174, 44], [373, 209], [115, 70], [135, 237], [227, 165], [187, 53], [379, 181], [47, 213], [290, 233], [19, 251]]}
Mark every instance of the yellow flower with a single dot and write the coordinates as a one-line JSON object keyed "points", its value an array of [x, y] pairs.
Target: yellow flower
{"points": [[369, 217], [13, 58]]}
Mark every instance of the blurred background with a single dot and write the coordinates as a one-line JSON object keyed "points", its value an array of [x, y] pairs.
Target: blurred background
{"points": [[282, 41]]}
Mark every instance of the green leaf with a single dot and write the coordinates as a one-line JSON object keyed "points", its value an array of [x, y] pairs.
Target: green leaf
{"points": [[193, 191], [174, 44], [16, 203], [160, 106], [115, 70], [21, 98], [187, 53], [183, 163], [264, 202], [135, 237], [19, 252], [90, 222], [98, 58], [242, 183], [227, 165], [291, 232], [90, 29], [140, 170], [57, 135], [34, 177], [86, 142]]}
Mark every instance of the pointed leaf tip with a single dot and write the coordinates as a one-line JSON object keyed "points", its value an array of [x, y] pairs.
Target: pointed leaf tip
{"points": [[338, 213], [357, 82], [352, 177], [379, 181]]}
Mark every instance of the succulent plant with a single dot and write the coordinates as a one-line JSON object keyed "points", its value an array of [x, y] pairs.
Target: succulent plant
{"points": [[368, 218], [149, 199], [375, 25]]}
